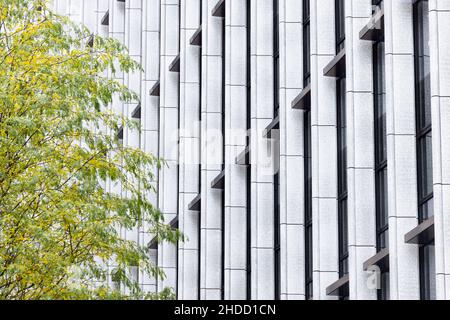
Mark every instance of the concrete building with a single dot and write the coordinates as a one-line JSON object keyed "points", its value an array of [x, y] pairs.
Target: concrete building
{"points": [[307, 141]]}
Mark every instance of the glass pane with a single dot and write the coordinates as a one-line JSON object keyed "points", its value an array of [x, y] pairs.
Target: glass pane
{"points": [[385, 198], [384, 292], [344, 227], [380, 97], [309, 291], [306, 54], [428, 273], [309, 265], [308, 206], [306, 10], [429, 163], [343, 238], [382, 203], [425, 157], [340, 25], [342, 136], [344, 267], [423, 107], [383, 240], [276, 86], [426, 210], [308, 168], [423, 64]]}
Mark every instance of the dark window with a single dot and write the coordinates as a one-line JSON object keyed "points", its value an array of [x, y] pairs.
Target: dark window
{"points": [[276, 56], [342, 177], [307, 152], [376, 3], [342, 150], [200, 158], [276, 85], [223, 91], [427, 272], [381, 166], [223, 154], [306, 43], [308, 209], [277, 245], [423, 110], [340, 25], [424, 143], [249, 182], [384, 293]]}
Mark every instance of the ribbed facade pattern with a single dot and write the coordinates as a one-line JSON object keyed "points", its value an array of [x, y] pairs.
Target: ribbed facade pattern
{"points": [[307, 143]]}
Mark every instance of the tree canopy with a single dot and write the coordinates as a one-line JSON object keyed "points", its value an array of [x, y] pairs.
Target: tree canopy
{"points": [[60, 156]]}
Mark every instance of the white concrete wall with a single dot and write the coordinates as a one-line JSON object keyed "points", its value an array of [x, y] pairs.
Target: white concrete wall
{"points": [[150, 34], [292, 183], [324, 149], [189, 150], [133, 41], [401, 148], [169, 134], [235, 141], [262, 202], [211, 222], [360, 144]]}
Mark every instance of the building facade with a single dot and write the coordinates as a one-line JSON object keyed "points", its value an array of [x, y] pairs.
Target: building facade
{"points": [[307, 143]]}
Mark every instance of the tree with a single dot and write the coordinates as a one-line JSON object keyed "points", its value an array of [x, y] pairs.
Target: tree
{"points": [[60, 223]]}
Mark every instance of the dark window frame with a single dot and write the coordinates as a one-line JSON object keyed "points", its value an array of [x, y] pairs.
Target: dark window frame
{"points": [[306, 43], [381, 164], [200, 157], [276, 57], [276, 84], [423, 138], [307, 154], [342, 176], [423, 125], [340, 25], [223, 107], [380, 135], [341, 125], [308, 209], [248, 173], [426, 274]]}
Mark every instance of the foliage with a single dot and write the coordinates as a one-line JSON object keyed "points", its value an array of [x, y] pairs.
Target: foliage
{"points": [[61, 163]]}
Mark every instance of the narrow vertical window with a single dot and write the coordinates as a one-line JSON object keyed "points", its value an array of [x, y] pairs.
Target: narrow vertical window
{"points": [[424, 144], [342, 177], [382, 222], [308, 209], [306, 43], [200, 70], [223, 151], [276, 85], [307, 152], [276, 56], [342, 151], [248, 180], [340, 25]]}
